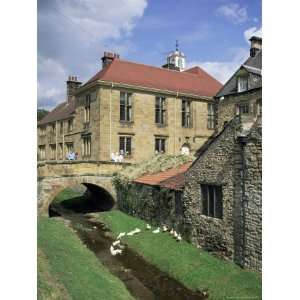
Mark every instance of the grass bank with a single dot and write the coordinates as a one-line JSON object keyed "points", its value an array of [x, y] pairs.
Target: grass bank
{"points": [[68, 270], [194, 268]]}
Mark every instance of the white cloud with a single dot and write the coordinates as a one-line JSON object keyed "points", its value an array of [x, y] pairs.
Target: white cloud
{"points": [[74, 33], [51, 82], [222, 70], [233, 12], [251, 32]]}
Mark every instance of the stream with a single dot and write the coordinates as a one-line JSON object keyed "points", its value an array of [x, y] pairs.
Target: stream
{"points": [[143, 280]]}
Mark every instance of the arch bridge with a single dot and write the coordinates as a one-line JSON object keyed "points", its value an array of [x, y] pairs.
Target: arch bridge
{"points": [[55, 176]]}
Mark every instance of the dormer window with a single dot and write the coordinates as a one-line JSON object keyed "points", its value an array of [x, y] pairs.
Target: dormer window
{"points": [[242, 84]]}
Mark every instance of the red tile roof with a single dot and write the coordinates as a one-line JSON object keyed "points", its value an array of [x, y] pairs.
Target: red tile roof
{"points": [[172, 178], [193, 81], [61, 111]]}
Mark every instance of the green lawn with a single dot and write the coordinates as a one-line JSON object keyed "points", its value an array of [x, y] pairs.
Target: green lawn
{"points": [[66, 194], [68, 270], [193, 267]]}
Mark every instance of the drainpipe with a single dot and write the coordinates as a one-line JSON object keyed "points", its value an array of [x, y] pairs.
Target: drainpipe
{"points": [[243, 142], [110, 117]]}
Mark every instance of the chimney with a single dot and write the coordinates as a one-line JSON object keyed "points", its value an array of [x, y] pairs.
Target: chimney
{"points": [[108, 57], [72, 86], [256, 45]]}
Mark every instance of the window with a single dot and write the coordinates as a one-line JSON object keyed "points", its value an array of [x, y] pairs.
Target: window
{"points": [[53, 151], [160, 110], [160, 145], [242, 84], [42, 152], [125, 107], [87, 108], [52, 129], [178, 203], [125, 145], [61, 128], [212, 205], [244, 108], [70, 125], [186, 113], [42, 131], [86, 146], [210, 116], [69, 148], [60, 151]]}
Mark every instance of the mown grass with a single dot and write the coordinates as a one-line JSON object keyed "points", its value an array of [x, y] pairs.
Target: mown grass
{"points": [[68, 270], [66, 194], [194, 268]]}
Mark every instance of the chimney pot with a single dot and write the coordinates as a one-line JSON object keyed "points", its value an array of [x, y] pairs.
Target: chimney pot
{"points": [[108, 57], [256, 45]]}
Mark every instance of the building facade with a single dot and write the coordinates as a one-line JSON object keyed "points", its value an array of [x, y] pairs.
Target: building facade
{"points": [[130, 108], [222, 196]]}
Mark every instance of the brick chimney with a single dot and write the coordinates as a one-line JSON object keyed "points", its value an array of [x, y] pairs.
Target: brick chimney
{"points": [[108, 57], [72, 86], [256, 45]]}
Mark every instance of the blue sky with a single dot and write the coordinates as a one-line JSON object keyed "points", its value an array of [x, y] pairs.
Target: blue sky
{"points": [[73, 34]]}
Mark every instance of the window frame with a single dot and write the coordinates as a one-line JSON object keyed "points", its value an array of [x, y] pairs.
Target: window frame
{"points": [[160, 110], [242, 79], [127, 151], [212, 200], [186, 113], [210, 116], [86, 146], [70, 125], [126, 107], [161, 143], [87, 109]]}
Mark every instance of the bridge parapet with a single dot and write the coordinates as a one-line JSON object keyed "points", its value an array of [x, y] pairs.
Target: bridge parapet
{"points": [[78, 168]]}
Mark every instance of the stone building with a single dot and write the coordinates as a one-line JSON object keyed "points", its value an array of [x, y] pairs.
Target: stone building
{"points": [[136, 109], [222, 196], [216, 201]]}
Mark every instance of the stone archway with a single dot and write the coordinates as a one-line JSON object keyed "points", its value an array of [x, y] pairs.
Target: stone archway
{"points": [[49, 188]]}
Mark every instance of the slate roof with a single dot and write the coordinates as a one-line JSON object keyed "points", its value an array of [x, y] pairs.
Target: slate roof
{"points": [[172, 178], [193, 81], [62, 111], [253, 65]]}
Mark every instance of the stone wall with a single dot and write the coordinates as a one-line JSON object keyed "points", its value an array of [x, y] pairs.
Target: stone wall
{"points": [[154, 204], [213, 167], [235, 164]]}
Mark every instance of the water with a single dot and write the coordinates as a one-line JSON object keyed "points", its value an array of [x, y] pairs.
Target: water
{"points": [[144, 281]]}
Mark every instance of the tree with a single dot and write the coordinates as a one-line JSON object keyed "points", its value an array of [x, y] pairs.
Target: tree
{"points": [[41, 113]]}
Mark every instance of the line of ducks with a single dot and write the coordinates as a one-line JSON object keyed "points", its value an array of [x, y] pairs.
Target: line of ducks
{"points": [[114, 251]]}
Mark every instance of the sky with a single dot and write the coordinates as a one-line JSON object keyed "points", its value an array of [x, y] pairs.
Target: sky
{"points": [[73, 34]]}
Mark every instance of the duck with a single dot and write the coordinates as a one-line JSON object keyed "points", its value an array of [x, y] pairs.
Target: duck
{"points": [[179, 238], [121, 235], [172, 231], [156, 230], [148, 226], [116, 243], [165, 228], [115, 252], [135, 231], [175, 234]]}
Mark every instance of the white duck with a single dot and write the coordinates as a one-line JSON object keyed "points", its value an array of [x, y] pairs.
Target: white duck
{"points": [[172, 231], [121, 235], [175, 234], [156, 230], [179, 238], [116, 243], [133, 232], [148, 226], [115, 252], [165, 228]]}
